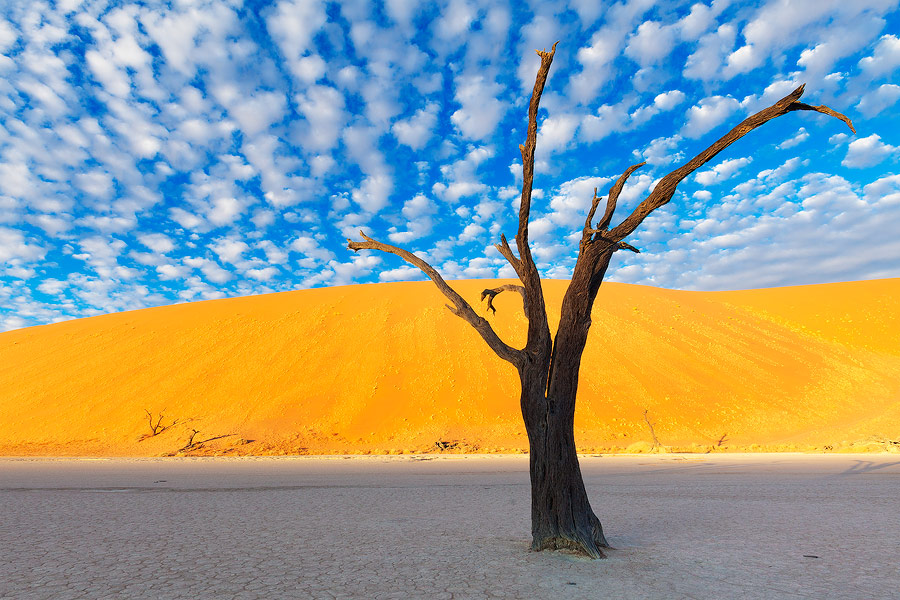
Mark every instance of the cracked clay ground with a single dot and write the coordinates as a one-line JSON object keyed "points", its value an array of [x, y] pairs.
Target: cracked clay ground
{"points": [[684, 526]]}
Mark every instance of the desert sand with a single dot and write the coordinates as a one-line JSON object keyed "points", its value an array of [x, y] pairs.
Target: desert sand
{"points": [[386, 368], [757, 526]]}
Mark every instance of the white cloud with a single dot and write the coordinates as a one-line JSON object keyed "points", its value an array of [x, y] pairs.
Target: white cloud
{"points": [[636, 189], [772, 93], [258, 112], [596, 61], [471, 232], [884, 191], [460, 179], [721, 172], [293, 23], [782, 23], [480, 110], [52, 287], [867, 152], [323, 107], [417, 211], [359, 266], [706, 61], [458, 189], [876, 102], [710, 113], [838, 43], [556, 131], [779, 173], [210, 269], [262, 274], [662, 102], [8, 36], [15, 179], [885, 59], [800, 137], [225, 210], [650, 43], [669, 100], [406, 273], [699, 19], [274, 254], [570, 203], [309, 69], [661, 151], [402, 11], [313, 254], [186, 219], [170, 271], [373, 193], [95, 183], [158, 242], [607, 120], [418, 207], [538, 34], [598, 57], [229, 250], [14, 247], [417, 130], [113, 79], [803, 238], [54, 225], [102, 254]]}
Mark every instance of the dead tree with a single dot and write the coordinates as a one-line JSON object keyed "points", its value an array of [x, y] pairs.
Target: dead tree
{"points": [[656, 443], [561, 516], [158, 427]]}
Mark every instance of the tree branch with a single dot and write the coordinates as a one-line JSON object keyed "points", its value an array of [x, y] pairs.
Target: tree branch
{"points": [[611, 198], [613, 195], [506, 251], [528, 161], [509, 287], [665, 189], [822, 109], [595, 201], [460, 307]]}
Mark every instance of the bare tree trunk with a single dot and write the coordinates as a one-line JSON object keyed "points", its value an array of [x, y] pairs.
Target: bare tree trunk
{"points": [[561, 516]]}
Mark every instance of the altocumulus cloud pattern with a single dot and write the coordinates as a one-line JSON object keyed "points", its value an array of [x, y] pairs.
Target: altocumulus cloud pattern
{"points": [[158, 152]]}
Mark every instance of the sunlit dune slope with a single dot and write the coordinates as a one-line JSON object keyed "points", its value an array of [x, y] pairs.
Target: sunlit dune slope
{"points": [[381, 368]]}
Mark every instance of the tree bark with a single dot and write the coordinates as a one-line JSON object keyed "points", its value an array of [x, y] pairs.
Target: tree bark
{"points": [[561, 515]]}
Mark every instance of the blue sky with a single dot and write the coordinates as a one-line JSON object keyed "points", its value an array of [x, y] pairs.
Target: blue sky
{"points": [[155, 153]]}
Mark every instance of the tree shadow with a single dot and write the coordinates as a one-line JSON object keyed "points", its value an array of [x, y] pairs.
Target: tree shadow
{"points": [[867, 466]]}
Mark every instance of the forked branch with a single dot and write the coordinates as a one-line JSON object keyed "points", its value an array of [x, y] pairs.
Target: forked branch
{"points": [[460, 308], [509, 287], [599, 235], [506, 251], [157, 428], [613, 196], [665, 189], [192, 445]]}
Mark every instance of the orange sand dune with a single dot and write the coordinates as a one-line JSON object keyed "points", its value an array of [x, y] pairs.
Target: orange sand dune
{"points": [[386, 368]]}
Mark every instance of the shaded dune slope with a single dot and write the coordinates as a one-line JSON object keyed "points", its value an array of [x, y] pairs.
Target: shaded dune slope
{"points": [[386, 368]]}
